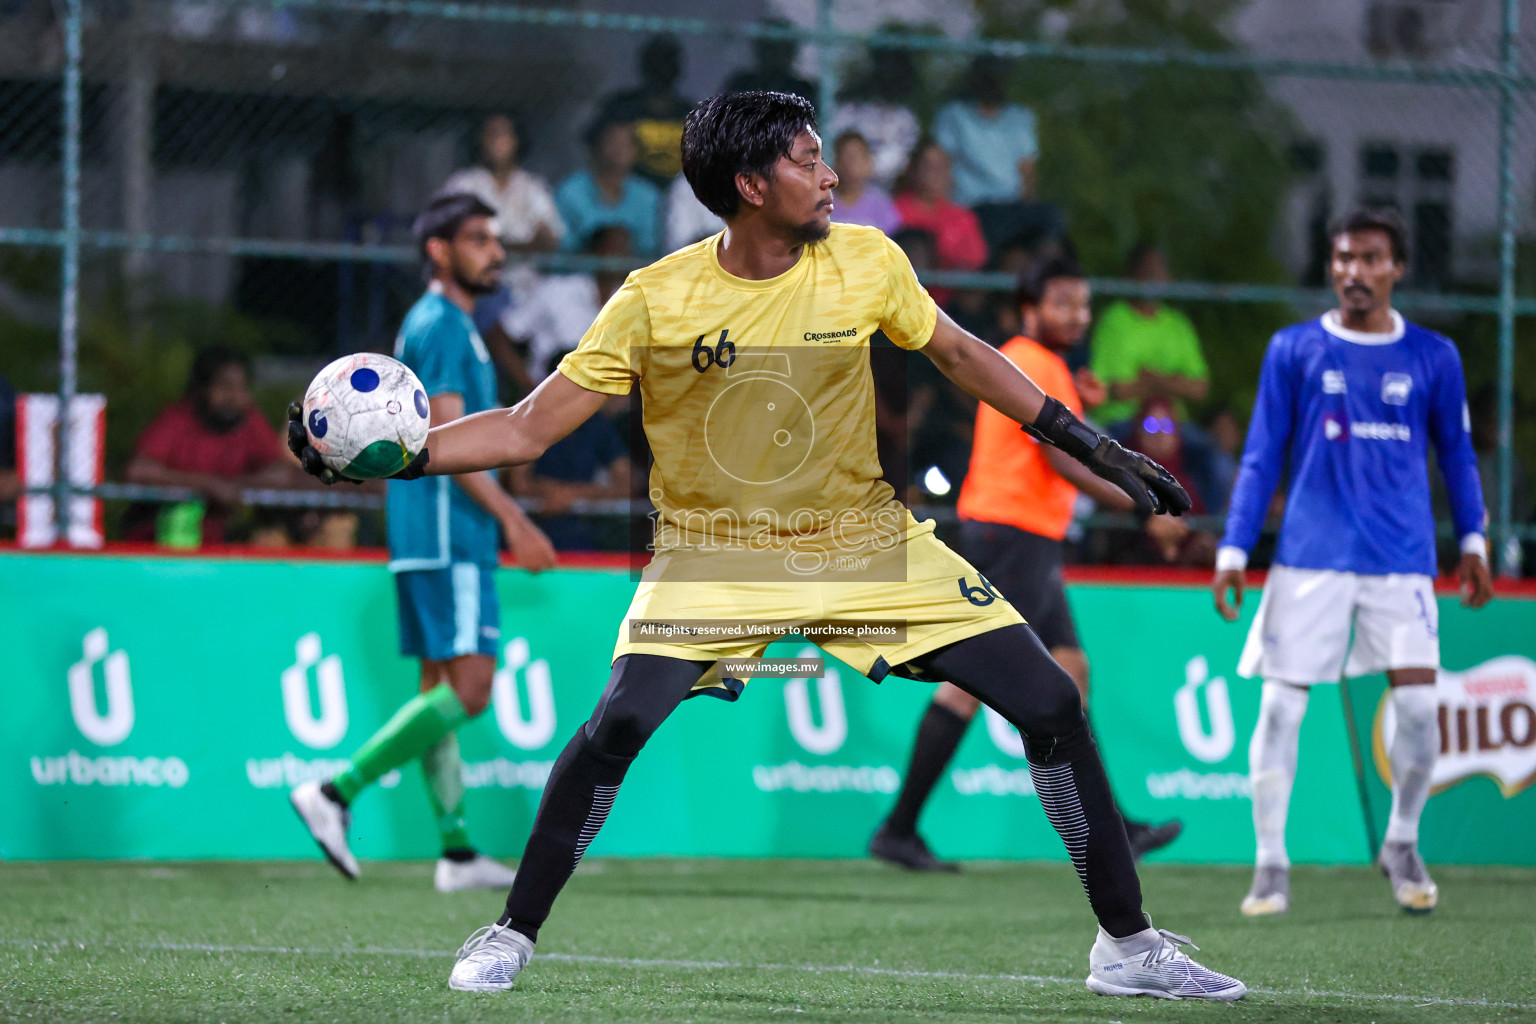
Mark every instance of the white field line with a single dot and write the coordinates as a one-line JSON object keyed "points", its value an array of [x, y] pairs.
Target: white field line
{"points": [[726, 965]]}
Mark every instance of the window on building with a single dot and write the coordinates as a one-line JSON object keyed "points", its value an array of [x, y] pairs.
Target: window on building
{"points": [[1411, 29], [1416, 181]]}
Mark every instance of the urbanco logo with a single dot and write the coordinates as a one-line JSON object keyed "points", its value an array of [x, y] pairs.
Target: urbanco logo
{"points": [[829, 736], [110, 729], [534, 728], [323, 731], [1004, 736], [1211, 736], [1487, 726]]}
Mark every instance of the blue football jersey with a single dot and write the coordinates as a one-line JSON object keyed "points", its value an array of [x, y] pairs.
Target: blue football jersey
{"points": [[1352, 414], [432, 522]]}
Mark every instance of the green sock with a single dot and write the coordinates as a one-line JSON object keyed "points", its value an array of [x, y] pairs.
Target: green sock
{"points": [[443, 771], [420, 723]]}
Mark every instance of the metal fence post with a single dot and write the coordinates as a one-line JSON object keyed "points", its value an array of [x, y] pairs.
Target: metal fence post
{"points": [[828, 53], [70, 285], [1508, 542]]}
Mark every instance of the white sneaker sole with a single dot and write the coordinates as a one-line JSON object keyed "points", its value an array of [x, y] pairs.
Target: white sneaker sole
{"points": [[1266, 906], [1416, 900], [1104, 988], [480, 986]]}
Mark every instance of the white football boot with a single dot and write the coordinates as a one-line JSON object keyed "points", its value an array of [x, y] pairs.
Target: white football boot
{"points": [[490, 960], [1270, 893], [1412, 887], [478, 873], [1162, 971], [327, 821]]}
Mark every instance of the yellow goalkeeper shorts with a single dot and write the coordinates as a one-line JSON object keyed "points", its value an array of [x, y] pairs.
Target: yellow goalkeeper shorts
{"points": [[873, 626]]}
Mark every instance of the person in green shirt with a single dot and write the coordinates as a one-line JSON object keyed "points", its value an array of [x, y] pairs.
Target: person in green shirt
{"points": [[1144, 349]]}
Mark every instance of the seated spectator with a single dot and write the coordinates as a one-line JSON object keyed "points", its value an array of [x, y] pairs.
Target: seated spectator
{"points": [[878, 106], [857, 199], [10, 482], [1156, 434], [995, 146], [609, 192], [774, 66], [688, 220], [924, 202], [1226, 434], [551, 320], [1143, 349], [213, 441], [656, 109], [525, 210], [588, 464]]}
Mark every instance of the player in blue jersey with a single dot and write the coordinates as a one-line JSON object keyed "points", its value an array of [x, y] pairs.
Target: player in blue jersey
{"points": [[1351, 401], [443, 538]]}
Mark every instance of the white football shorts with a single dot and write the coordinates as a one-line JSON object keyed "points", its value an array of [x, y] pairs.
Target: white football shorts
{"points": [[1315, 625]]}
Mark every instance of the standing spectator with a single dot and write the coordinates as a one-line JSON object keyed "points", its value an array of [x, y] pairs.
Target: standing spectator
{"points": [[688, 220], [656, 109], [878, 106], [609, 192], [924, 202], [525, 210], [555, 315], [858, 200], [774, 66], [214, 441], [1144, 349], [994, 146], [993, 143]]}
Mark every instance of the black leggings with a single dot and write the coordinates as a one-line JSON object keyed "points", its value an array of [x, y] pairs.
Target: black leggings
{"points": [[1007, 669]]}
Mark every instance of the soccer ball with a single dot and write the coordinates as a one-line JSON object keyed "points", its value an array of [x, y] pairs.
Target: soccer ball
{"points": [[367, 415]]}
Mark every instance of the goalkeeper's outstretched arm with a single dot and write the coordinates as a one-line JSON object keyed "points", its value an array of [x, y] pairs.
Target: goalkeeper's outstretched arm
{"points": [[511, 437]]}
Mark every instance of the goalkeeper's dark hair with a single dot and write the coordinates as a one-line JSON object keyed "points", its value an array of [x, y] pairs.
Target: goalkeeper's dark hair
{"points": [[445, 215], [739, 133], [1384, 219], [1032, 285]]}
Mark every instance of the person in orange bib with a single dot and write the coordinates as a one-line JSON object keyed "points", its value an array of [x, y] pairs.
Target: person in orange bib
{"points": [[1015, 507]]}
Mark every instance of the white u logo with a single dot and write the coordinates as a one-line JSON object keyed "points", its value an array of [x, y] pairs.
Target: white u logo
{"points": [[1004, 736], [113, 727], [1213, 744], [326, 731], [535, 729], [833, 730]]}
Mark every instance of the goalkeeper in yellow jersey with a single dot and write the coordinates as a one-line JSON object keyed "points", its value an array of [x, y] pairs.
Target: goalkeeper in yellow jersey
{"points": [[750, 350]]}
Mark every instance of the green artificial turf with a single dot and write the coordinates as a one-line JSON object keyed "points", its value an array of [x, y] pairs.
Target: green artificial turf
{"points": [[689, 940]]}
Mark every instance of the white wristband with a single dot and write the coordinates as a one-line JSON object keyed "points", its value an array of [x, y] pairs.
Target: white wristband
{"points": [[1229, 557], [1475, 544]]}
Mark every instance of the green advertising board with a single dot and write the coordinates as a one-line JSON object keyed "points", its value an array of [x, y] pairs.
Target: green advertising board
{"points": [[162, 707]]}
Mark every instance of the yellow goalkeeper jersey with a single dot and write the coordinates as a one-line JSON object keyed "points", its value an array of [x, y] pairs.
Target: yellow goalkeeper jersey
{"points": [[758, 402]]}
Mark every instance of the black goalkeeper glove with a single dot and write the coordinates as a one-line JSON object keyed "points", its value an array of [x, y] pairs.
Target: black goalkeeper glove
{"points": [[309, 458], [1151, 487]]}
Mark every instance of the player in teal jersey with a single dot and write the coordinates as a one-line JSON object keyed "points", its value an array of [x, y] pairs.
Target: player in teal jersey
{"points": [[443, 551]]}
